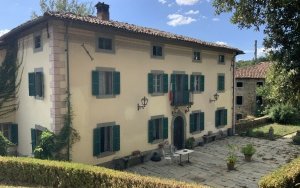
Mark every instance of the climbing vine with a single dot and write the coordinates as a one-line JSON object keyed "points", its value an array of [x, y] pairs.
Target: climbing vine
{"points": [[58, 146]]}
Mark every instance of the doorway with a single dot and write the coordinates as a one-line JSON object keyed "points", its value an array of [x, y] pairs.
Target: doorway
{"points": [[178, 138]]}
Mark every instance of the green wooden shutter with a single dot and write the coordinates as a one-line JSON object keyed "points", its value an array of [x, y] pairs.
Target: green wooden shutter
{"points": [[117, 83], [33, 139], [225, 117], [150, 131], [192, 83], [221, 83], [202, 81], [96, 141], [202, 120], [217, 118], [150, 83], [185, 82], [165, 128], [14, 133], [116, 138], [39, 84], [95, 83], [173, 81], [166, 83], [31, 83], [192, 123]]}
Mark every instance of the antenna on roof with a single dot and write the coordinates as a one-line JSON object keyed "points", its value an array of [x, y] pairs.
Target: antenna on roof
{"points": [[255, 51]]}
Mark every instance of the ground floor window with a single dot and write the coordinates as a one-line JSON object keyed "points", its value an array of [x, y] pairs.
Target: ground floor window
{"points": [[106, 139], [221, 117], [10, 131], [157, 129], [35, 138], [196, 122]]}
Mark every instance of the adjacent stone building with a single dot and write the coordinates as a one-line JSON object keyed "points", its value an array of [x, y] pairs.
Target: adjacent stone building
{"points": [[247, 80]]}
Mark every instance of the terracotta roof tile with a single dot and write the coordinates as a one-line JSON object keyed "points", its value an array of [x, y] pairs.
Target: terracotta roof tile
{"points": [[254, 71], [123, 26]]}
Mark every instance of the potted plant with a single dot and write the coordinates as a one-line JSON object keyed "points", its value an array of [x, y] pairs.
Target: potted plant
{"points": [[248, 151], [231, 157], [189, 144]]}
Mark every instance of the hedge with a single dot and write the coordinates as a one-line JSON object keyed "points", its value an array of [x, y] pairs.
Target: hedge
{"points": [[287, 176], [64, 174]]}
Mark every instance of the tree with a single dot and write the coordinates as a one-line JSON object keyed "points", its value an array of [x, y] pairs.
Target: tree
{"points": [[63, 6], [280, 23]]}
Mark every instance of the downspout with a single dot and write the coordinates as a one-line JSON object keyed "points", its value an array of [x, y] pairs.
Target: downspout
{"points": [[233, 93], [68, 81]]}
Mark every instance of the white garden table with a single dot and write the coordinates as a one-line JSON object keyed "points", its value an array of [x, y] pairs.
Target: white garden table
{"points": [[184, 152]]}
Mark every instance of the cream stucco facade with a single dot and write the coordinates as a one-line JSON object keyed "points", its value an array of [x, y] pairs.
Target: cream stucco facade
{"points": [[132, 58]]}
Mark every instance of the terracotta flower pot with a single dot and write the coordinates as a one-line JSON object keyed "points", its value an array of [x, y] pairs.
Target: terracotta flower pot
{"points": [[248, 158], [230, 166]]}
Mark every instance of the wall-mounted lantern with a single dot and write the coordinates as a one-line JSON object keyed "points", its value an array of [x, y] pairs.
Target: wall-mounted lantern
{"points": [[144, 102], [216, 96]]}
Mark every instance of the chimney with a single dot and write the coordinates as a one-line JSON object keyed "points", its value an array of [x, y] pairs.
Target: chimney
{"points": [[102, 11]]}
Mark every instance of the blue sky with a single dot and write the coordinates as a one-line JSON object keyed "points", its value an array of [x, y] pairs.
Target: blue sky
{"points": [[194, 18]]}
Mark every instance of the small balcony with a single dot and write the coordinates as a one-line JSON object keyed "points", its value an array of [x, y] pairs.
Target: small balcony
{"points": [[181, 98]]}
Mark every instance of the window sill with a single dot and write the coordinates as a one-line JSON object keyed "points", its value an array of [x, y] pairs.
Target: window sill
{"points": [[221, 91], [221, 63], [158, 57], [197, 92], [105, 51], [196, 61], [35, 50], [157, 94], [196, 132], [105, 154], [105, 96], [220, 126]]}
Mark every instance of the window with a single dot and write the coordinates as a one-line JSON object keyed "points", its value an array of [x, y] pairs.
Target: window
{"points": [[197, 56], [105, 83], [221, 59], [157, 83], [35, 138], [221, 83], [239, 84], [157, 51], [239, 116], [239, 100], [259, 100], [37, 42], [106, 139], [10, 131], [197, 83], [196, 122], [105, 43], [36, 84], [259, 84], [157, 129], [221, 117]]}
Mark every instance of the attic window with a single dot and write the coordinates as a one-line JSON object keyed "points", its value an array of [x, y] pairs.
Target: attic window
{"points": [[157, 51], [221, 59], [105, 43], [37, 42]]}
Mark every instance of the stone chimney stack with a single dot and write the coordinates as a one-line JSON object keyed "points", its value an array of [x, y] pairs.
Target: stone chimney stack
{"points": [[102, 11]]}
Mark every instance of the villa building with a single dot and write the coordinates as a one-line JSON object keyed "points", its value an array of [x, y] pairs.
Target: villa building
{"points": [[131, 87]]}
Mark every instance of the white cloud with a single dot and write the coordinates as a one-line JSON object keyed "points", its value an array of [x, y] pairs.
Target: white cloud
{"points": [[3, 31], [261, 51], [216, 19], [222, 43], [192, 12], [186, 2], [170, 4], [178, 19], [162, 1]]}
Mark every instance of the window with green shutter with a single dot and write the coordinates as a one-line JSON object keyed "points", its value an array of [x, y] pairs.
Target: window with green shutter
{"points": [[221, 83], [10, 131], [157, 83], [35, 138], [106, 139], [36, 84], [14, 134], [221, 117], [196, 122], [157, 129], [106, 83]]}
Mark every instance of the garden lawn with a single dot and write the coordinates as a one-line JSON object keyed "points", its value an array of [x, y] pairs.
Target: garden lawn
{"points": [[279, 129]]}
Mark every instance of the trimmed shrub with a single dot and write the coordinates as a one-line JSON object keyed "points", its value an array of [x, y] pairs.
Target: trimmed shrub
{"points": [[63, 174], [282, 113], [296, 140], [286, 176]]}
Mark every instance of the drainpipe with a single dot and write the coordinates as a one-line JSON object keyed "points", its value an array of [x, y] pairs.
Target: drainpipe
{"points": [[68, 79], [233, 93]]}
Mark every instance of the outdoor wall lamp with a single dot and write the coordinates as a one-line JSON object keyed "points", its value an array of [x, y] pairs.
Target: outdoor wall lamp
{"points": [[144, 102], [216, 96]]}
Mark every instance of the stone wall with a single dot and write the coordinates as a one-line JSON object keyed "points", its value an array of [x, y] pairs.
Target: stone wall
{"points": [[248, 91], [249, 124]]}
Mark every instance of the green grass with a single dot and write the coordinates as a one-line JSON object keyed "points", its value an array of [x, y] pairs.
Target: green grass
{"points": [[279, 129]]}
